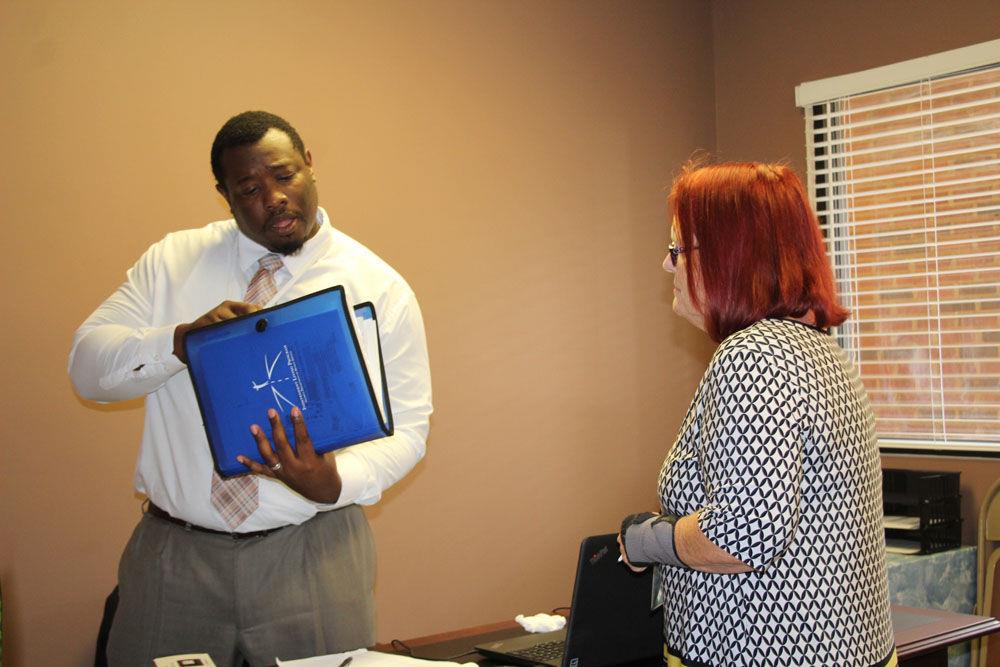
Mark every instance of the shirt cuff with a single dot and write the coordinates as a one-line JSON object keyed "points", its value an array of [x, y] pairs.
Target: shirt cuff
{"points": [[356, 487], [160, 345], [151, 363]]}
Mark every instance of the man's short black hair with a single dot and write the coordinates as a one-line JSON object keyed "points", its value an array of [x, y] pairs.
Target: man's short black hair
{"points": [[248, 128]]}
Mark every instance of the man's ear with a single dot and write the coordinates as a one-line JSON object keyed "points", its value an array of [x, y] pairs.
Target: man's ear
{"points": [[309, 166], [222, 191]]}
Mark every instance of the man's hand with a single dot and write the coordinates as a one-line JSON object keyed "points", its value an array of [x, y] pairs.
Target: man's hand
{"points": [[302, 469], [226, 310]]}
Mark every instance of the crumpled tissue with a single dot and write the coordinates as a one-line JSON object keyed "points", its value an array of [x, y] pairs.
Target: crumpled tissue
{"points": [[541, 622]]}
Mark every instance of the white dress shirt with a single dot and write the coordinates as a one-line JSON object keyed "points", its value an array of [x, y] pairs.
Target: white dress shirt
{"points": [[125, 350]]}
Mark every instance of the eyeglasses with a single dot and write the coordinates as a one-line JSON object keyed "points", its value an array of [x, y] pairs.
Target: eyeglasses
{"points": [[675, 250]]}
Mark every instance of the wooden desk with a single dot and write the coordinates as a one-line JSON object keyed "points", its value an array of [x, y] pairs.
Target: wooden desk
{"points": [[922, 637]]}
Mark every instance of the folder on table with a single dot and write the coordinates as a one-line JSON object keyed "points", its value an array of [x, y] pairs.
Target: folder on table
{"points": [[315, 353]]}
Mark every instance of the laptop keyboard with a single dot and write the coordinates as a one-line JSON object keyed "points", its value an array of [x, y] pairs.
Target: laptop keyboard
{"points": [[544, 652]]}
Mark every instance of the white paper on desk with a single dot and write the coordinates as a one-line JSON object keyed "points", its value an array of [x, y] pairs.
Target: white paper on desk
{"points": [[902, 522], [362, 658], [895, 546]]}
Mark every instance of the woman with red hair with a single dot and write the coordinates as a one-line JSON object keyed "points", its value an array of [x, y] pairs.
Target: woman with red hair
{"points": [[769, 547]]}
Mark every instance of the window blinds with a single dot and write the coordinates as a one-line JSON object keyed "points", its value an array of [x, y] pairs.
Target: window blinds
{"points": [[906, 183]]}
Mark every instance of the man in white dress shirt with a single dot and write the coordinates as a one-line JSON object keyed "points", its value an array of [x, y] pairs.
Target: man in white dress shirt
{"points": [[289, 573]]}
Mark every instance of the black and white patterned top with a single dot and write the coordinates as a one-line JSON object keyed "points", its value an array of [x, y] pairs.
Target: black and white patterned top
{"points": [[778, 453]]}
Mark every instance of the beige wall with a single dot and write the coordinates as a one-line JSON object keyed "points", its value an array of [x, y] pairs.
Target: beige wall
{"points": [[509, 158], [764, 48]]}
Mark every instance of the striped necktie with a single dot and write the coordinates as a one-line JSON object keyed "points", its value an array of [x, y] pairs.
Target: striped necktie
{"points": [[237, 498]]}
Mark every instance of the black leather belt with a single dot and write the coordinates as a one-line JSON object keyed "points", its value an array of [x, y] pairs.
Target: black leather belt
{"points": [[161, 514]]}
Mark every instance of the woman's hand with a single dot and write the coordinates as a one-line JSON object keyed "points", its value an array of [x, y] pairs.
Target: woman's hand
{"points": [[624, 556]]}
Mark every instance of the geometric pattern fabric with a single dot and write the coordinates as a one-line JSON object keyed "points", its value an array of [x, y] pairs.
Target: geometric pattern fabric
{"points": [[778, 455], [238, 497]]}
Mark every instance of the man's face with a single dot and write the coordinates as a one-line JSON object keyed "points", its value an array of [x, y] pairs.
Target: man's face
{"points": [[271, 191]]}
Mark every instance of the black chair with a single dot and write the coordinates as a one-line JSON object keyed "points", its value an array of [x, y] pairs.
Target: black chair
{"points": [[101, 653]]}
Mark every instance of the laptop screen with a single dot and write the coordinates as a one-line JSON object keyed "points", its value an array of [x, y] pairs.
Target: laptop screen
{"points": [[610, 622]]}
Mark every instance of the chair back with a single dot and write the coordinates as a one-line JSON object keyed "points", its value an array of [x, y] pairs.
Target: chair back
{"points": [[991, 516], [987, 558]]}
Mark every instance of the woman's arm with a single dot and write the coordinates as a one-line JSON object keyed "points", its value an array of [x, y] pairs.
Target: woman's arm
{"points": [[700, 553], [658, 538]]}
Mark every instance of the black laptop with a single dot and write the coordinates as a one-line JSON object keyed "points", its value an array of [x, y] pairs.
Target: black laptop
{"points": [[610, 622]]}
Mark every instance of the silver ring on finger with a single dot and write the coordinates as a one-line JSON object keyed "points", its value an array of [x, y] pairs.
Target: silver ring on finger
{"points": [[276, 467]]}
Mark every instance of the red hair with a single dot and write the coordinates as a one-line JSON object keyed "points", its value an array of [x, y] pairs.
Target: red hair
{"points": [[760, 251]]}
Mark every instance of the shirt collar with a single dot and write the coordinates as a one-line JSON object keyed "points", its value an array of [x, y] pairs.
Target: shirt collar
{"points": [[249, 252]]}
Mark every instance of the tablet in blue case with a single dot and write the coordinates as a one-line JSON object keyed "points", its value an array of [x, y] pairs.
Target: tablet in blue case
{"points": [[315, 353]]}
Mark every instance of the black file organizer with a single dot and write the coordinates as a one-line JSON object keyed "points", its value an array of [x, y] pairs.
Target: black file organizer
{"points": [[931, 496]]}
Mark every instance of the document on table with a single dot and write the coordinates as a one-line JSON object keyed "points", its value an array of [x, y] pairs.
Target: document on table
{"points": [[901, 522], [907, 547], [363, 658]]}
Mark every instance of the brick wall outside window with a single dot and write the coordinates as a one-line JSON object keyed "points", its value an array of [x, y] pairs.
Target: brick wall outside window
{"points": [[906, 183]]}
